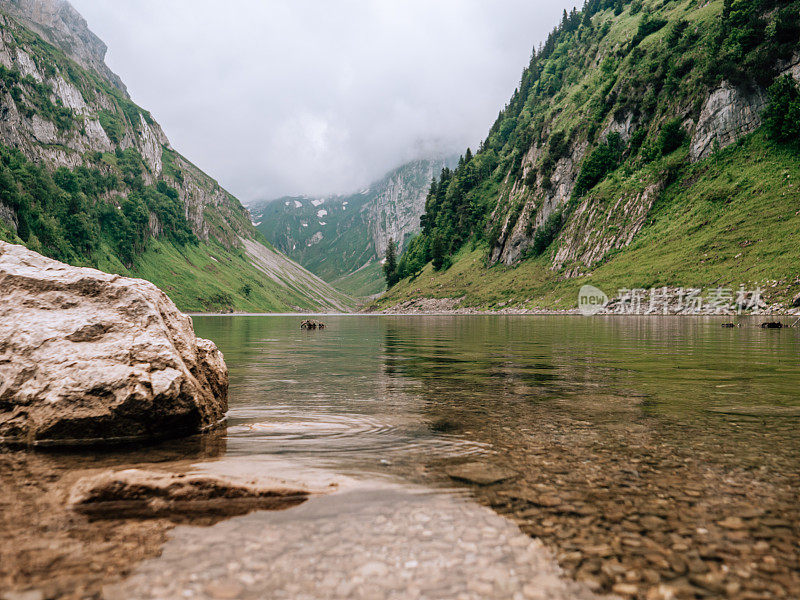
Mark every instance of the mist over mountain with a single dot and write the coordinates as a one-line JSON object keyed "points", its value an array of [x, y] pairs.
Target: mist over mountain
{"points": [[319, 97]]}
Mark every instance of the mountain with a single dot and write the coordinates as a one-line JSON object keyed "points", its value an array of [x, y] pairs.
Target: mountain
{"points": [[344, 238], [649, 143], [89, 178]]}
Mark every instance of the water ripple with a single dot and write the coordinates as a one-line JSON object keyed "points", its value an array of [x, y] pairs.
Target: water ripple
{"points": [[282, 432]]}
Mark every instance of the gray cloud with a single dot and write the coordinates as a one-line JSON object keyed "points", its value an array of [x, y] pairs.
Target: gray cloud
{"points": [[277, 97]]}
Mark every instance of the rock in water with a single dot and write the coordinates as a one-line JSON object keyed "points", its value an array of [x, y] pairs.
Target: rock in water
{"points": [[145, 494], [480, 473], [88, 357]]}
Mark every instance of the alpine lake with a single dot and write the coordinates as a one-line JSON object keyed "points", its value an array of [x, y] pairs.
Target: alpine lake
{"points": [[468, 457]]}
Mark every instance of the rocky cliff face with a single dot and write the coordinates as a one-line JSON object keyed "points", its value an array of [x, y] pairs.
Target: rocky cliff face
{"points": [[41, 138], [399, 201], [60, 106], [597, 228], [534, 203], [731, 112], [728, 113], [57, 22], [594, 229]]}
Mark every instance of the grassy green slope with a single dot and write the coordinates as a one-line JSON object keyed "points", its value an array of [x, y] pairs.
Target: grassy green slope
{"points": [[365, 282], [729, 220], [207, 277], [210, 277]]}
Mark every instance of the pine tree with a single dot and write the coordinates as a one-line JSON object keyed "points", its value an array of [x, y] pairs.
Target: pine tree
{"points": [[438, 252], [782, 117], [390, 264]]}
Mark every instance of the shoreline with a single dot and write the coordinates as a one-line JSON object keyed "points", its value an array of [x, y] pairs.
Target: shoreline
{"points": [[576, 313], [791, 315]]}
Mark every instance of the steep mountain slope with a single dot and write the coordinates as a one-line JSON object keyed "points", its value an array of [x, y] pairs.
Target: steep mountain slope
{"points": [[88, 177], [650, 143], [343, 238]]}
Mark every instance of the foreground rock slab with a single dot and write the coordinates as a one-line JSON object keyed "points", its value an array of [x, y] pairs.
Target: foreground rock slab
{"points": [[178, 496], [88, 357]]}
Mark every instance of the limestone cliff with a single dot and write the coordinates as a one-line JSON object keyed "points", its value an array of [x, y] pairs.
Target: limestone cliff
{"points": [[57, 22], [399, 202], [99, 119], [594, 229]]}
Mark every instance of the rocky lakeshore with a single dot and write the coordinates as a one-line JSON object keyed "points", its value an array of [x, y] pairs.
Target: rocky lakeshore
{"points": [[382, 543], [52, 551], [75, 522], [673, 303]]}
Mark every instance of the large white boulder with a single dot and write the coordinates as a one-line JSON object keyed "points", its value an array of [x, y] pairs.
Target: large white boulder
{"points": [[88, 357]]}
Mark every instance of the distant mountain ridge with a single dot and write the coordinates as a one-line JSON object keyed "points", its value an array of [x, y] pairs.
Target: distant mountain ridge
{"points": [[90, 178], [341, 236]]}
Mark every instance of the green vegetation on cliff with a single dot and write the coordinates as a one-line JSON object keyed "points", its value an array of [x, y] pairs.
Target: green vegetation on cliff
{"points": [[329, 238], [733, 219], [67, 214], [80, 217], [613, 110], [343, 238]]}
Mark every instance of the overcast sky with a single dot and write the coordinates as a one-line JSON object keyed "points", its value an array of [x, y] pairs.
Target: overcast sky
{"points": [[275, 97]]}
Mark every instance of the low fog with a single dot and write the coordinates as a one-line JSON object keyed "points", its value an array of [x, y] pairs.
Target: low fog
{"points": [[316, 97]]}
